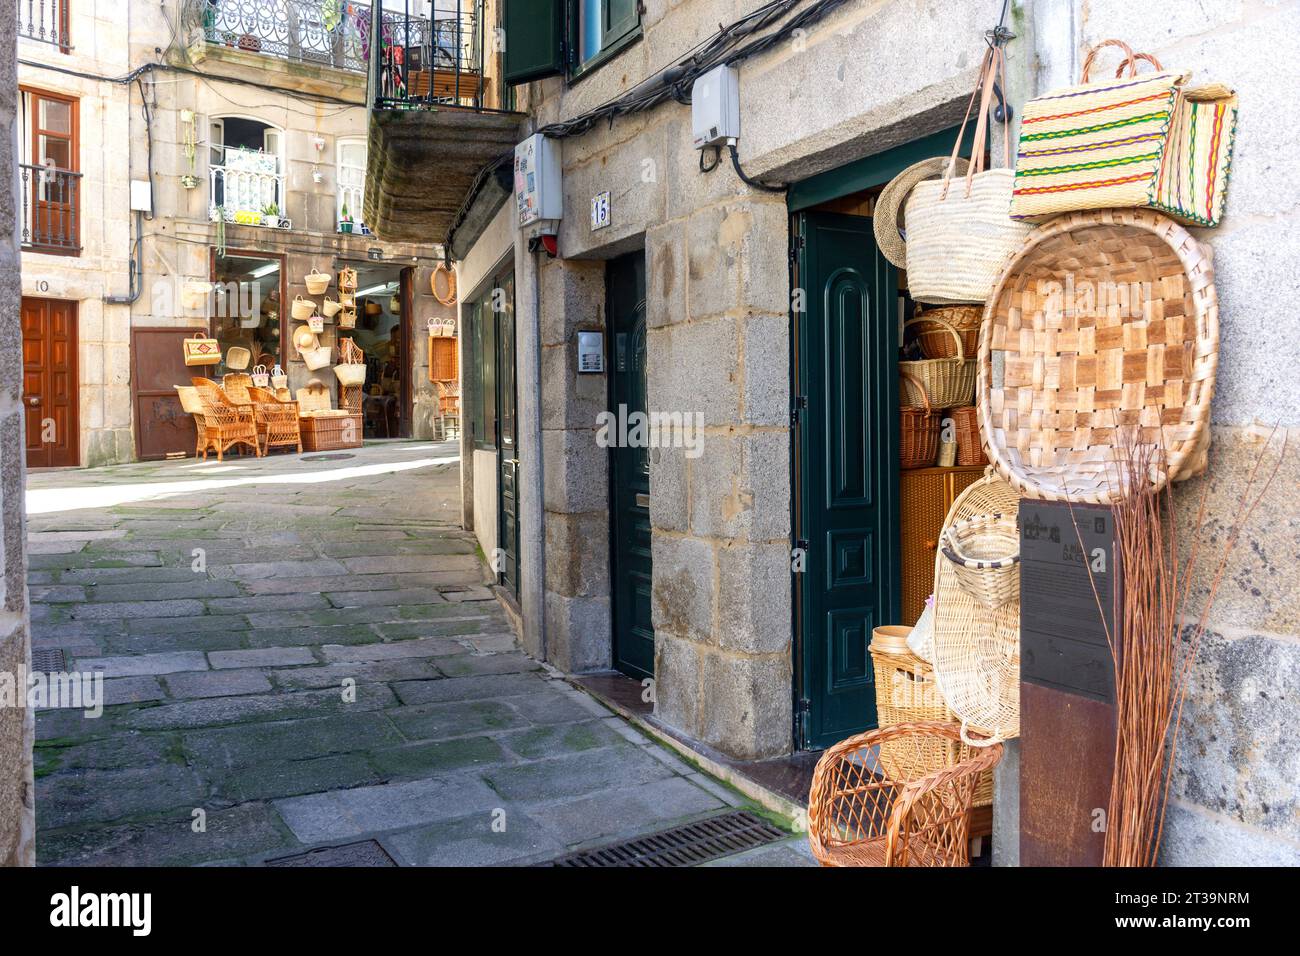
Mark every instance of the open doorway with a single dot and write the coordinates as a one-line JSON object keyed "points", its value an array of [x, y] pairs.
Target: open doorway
{"points": [[384, 336]]}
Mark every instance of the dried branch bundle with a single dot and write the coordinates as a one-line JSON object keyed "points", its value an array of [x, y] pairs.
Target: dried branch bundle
{"points": [[1156, 634]]}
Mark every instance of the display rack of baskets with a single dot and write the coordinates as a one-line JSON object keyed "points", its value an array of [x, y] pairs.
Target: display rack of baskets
{"points": [[1105, 326], [942, 382], [347, 312]]}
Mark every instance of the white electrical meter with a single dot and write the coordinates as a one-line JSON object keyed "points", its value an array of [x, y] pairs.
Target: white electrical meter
{"points": [[715, 107], [537, 181]]}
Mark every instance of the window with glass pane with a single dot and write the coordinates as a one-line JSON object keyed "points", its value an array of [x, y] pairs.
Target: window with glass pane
{"points": [[351, 179], [598, 25]]}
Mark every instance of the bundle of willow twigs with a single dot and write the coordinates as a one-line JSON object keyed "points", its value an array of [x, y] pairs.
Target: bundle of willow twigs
{"points": [[1155, 636]]}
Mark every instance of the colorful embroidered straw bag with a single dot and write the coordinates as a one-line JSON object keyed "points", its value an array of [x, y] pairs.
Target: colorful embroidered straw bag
{"points": [[201, 349], [1135, 140]]}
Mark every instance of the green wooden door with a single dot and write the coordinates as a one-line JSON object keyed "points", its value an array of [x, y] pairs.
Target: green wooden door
{"points": [[503, 304], [634, 636], [846, 436]]}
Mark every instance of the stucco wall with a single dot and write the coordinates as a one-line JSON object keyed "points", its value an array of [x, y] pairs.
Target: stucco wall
{"points": [[17, 727]]}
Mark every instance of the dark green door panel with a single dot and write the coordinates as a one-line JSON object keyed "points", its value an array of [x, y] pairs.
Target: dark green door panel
{"points": [[634, 638], [847, 477], [534, 45], [503, 302]]}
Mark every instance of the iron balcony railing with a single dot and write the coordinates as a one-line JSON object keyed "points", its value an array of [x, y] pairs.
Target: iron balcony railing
{"points": [[51, 208], [422, 64], [242, 190], [45, 21], [333, 33]]}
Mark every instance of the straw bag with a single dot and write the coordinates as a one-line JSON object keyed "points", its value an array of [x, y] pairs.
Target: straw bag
{"points": [[351, 369], [348, 319], [316, 282], [941, 383], [201, 349], [936, 340], [278, 379], [977, 650], [442, 328], [985, 555], [918, 433], [313, 397], [330, 308], [317, 358], [316, 323], [302, 309], [260, 377], [1135, 140], [959, 235]]}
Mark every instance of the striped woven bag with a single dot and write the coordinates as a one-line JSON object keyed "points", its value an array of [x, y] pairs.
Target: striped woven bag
{"points": [[1138, 140]]}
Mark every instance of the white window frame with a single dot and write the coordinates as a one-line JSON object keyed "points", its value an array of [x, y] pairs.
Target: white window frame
{"points": [[354, 193]]}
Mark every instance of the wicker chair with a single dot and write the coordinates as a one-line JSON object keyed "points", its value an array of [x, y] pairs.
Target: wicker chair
{"points": [[859, 817], [191, 403], [277, 420], [224, 424]]}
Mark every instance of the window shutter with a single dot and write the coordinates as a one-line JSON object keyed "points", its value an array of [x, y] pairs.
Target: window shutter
{"points": [[618, 18], [533, 34]]}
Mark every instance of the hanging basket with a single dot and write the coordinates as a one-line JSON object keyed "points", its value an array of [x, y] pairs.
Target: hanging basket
{"points": [[302, 309], [1101, 333], [348, 319], [977, 650], [330, 308], [316, 282], [317, 358], [316, 323], [932, 331], [448, 297], [942, 383], [918, 439], [985, 555]]}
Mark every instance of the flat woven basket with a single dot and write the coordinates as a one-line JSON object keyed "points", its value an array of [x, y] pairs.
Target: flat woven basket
{"points": [[977, 650], [985, 555], [941, 383], [1105, 320]]}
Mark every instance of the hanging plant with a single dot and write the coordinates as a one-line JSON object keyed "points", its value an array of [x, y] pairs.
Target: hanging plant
{"points": [[221, 230], [331, 13]]}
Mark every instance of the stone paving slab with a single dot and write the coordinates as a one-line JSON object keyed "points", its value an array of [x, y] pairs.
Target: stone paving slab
{"points": [[334, 669]]}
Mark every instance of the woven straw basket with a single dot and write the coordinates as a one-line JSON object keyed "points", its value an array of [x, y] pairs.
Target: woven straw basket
{"points": [[977, 650], [985, 556], [935, 338], [316, 282], [918, 433], [939, 383], [316, 358], [302, 309], [1065, 378]]}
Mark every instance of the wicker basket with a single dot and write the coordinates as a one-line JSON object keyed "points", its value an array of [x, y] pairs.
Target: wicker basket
{"points": [[985, 555], [966, 425], [316, 282], [317, 358], [943, 383], [330, 308], [1063, 385], [443, 363], [918, 433], [302, 309], [329, 434], [936, 341]]}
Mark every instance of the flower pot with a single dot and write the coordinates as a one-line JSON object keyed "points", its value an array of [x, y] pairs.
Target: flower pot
{"points": [[345, 227], [250, 43]]}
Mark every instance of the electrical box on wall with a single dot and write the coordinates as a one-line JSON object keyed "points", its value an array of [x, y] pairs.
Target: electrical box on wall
{"points": [[538, 196], [715, 107], [141, 195]]}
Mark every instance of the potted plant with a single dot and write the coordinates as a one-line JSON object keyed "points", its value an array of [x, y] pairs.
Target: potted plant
{"points": [[345, 220], [228, 38], [271, 215], [190, 181]]}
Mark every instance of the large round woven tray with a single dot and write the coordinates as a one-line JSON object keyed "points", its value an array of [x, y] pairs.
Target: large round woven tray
{"points": [[1104, 326], [977, 651]]}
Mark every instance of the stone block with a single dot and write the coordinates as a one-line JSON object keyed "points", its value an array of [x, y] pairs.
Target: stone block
{"points": [[677, 683], [747, 711], [632, 173], [576, 476], [713, 284], [578, 632], [669, 489], [765, 369], [694, 368], [573, 297], [627, 811], [577, 775], [261, 657], [575, 566], [570, 399], [1196, 837], [754, 597], [666, 275], [740, 486], [683, 595], [140, 664]]}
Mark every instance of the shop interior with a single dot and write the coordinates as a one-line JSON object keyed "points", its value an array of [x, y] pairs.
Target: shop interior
{"points": [[246, 310], [379, 334]]}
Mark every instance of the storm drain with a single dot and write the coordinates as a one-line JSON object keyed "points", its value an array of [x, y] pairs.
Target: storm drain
{"points": [[365, 853], [687, 845], [338, 457], [48, 662]]}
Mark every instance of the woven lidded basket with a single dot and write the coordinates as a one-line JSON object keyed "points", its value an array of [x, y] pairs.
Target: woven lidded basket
{"points": [[984, 551], [939, 383], [937, 342], [1104, 326]]}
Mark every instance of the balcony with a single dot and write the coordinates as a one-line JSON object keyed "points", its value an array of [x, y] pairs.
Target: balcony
{"points": [[439, 116], [45, 21], [51, 209], [248, 190]]}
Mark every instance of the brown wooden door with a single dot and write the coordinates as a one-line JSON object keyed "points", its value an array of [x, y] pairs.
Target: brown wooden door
{"points": [[157, 367], [50, 381]]}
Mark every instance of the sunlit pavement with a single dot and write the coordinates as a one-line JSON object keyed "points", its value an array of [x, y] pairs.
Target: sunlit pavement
{"points": [[301, 651]]}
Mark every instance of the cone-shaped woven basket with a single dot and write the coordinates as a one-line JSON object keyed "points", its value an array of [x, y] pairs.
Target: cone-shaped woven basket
{"points": [[977, 651]]}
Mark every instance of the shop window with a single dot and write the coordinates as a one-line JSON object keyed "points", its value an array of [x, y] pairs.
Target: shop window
{"points": [[50, 173], [246, 310], [351, 185]]}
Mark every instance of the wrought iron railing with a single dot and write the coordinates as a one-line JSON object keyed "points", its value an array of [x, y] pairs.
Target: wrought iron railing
{"points": [[245, 188], [422, 66], [333, 33], [45, 21], [51, 208]]}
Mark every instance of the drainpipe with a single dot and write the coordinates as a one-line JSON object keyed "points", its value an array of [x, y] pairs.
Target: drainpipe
{"points": [[135, 269], [535, 327]]}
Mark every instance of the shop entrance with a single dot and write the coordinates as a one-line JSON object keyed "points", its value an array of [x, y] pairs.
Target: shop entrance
{"points": [[50, 381], [507, 433], [629, 471], [383, 331]]}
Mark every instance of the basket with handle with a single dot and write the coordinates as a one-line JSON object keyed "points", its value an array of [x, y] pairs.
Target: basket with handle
{"points": [[351, 369], [261, 378], [316, 282], [316, 358], [966, 425], [935, 340], [316, 323], [918, 431], [941, 383], [984, 551], [279, 380], [302, 309], [201, 349], [330, 308]]}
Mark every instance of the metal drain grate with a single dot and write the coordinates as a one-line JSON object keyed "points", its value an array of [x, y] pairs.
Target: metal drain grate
{"points": [[365, 853], [687, 845], [339, 457], [48, 662]]}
